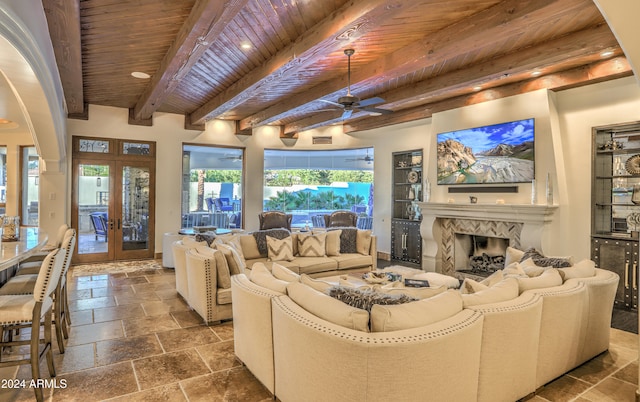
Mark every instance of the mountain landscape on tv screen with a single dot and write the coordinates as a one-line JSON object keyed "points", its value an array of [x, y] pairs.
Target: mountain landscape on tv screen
{"points": [[503, 154]]}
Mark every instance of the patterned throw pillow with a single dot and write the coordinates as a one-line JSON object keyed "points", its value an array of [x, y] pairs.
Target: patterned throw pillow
{"points": [[311, 245], [279, 250], [365, 299], [542, 261], [261, 238], [348, 240]]}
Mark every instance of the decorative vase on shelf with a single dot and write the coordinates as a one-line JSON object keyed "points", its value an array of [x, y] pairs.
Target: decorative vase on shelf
{"points": [[549, 190], [412, 194]]}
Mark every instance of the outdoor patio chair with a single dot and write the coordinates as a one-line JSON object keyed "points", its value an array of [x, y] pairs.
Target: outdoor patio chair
{"points": [[318, 221], [341, 219], [274, 220], [223, 204], [99, 222]]}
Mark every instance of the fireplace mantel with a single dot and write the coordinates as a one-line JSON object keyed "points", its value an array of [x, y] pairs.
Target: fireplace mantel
{"points": [[532, 219]]}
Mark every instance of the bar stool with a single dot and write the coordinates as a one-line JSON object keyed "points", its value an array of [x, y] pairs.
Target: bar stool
{"points": [[34, 311], [25, 285], [32, 264]]}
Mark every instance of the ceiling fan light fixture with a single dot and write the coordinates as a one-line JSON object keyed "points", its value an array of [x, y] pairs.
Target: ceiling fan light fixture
{"points": [[245, 45], [140, 75], [606, 53]]}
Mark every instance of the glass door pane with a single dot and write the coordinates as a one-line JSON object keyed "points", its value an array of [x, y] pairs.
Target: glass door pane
{"points": [[93, 218], [134, 209]]}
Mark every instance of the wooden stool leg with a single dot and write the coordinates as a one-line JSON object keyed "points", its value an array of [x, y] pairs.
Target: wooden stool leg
{"points": [[47, 344], [35, 352]]}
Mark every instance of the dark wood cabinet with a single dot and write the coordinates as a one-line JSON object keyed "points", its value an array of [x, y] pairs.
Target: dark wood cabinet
{"points": [[406, 242], [621, 257]]}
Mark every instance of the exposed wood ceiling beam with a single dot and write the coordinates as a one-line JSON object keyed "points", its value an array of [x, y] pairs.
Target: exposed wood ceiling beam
{"points": [[503, 69], [617, 67], [205, 22], [342, 27], [63, 18], [481, 30]]}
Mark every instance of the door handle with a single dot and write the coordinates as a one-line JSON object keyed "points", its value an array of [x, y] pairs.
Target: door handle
{"points": [[626, 275], [118, 223], [635, 276], [111, 224]]}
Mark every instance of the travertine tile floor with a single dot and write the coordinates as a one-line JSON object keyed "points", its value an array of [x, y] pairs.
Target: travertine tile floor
{"points": [[134, 339]]}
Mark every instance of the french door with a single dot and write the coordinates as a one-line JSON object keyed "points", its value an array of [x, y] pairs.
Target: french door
{"points": [[113, 199]]}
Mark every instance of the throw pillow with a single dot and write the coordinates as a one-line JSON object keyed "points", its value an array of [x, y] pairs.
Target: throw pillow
{"points": [[348, 240], [531, 269], [332, 242], [512, 255], [363, 241], [317, 284], [311, 245], [236, 266], [328, 308], [469, 286], [542, 261], [436, 279], [279, 250], [582, 269], [249, 247], [284, 273], [415, 314], [261, 238], [549, 278], [234, 241], [260, 275], [209, 237], [191, 242], [506, 289], [514, 270], [493, 278], [365, 299], [223, 275]]}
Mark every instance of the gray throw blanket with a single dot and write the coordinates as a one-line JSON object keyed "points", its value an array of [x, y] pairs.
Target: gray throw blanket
{"points": [[261, 238]]}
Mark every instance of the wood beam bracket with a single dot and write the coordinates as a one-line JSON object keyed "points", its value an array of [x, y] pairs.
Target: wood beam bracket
{"points": [[80, 116], [142, 122], [239, 131], [188, 124]]}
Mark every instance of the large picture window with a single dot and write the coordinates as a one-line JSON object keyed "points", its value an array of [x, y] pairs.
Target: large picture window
{"points": [[212, 180], [310, 184], [30, 177]]}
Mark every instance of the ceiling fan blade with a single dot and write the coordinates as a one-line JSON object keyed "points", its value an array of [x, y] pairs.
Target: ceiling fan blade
{"points": [[346, 114], [376, 110], [371, 101], [330, 102]]}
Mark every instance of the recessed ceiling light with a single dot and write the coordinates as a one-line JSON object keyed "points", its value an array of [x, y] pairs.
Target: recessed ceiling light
{"points": [[606, 53], [246, 45], [477, 88], [7, 124], [141, 75], [536, 73]]}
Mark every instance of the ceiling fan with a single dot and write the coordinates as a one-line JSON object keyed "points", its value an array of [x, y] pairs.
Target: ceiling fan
{"points": [[350, 103], [367, 158]]}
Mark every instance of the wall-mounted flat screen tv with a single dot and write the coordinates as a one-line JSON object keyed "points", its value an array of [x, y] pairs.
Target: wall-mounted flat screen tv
{"points": [[499, 153]]}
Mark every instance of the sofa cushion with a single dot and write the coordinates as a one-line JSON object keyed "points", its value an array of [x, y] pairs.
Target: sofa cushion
{"points": [[506, 289], [332, 242], [418, 293], [436, 279], [223, 296], [317, 284], [549, 278], [279, 249], [236, 266], [311, 245], [233, 240], [311, 265], [223, 276], [514, 270], [542, 261], [260, 275], [582, 269], [328, 308], [261, 238], [352, 260], [250, 247], [284, 273], [363, 241], [415, 314], [348, 239], [531, 269], [366, 298], [190, 242], [493, 278]]}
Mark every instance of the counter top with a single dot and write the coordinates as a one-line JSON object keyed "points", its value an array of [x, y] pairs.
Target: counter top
{"points": [[12, 252]]}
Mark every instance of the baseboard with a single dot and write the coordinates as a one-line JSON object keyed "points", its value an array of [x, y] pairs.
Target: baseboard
{"points": [[384, 256], [157, 256]]}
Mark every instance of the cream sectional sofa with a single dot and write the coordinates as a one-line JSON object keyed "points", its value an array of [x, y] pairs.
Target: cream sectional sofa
{"points": [[333, 263], [501, 351]]}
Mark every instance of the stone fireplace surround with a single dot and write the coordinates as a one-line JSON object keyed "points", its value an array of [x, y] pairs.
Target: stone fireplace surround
{"points": [[523, 224]]}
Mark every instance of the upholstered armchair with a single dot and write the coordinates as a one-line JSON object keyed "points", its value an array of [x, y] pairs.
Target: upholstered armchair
{"points": [[341, 219], [274, 220]]}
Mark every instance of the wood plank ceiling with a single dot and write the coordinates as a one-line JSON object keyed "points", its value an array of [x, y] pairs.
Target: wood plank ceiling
{"points": [[270, 62]]}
